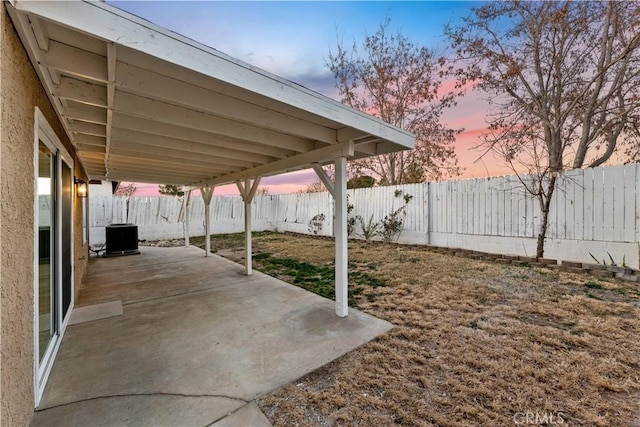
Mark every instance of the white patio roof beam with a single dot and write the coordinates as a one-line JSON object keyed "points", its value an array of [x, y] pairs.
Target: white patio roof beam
{"points": [[87, 114], [202, 164], [299, 161], [169, 115], [85, 139], [76, 62], [86, 148], [174, 137], [177, 156], [82, 92], [149, 84], [40, 33], [177, 169], [120, 163], [150, 177], [105, 22], [88, 128]]}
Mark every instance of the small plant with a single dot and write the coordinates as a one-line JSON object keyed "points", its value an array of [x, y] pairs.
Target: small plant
{"points": [[604, 262], [315, 223], [351, 220], [624, 260], [393, 223], [369, 229], [613, 262]]}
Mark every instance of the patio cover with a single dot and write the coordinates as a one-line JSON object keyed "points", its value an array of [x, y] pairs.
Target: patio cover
{"points": [[140, 103], [144, 104]]}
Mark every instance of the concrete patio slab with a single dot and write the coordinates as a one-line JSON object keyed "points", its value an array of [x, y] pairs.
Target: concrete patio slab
{"points": [[155, 410], [192, 327], [89, 313], [248, 415], [156, 273]]}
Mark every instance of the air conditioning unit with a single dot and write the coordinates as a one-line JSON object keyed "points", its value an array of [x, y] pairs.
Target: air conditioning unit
{"points": [[122, 239]]}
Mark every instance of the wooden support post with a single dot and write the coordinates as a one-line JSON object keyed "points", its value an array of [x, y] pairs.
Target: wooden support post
{"points": [[186, 218], [247, 191], [325, 179], [207, 193], [207, 231], [341, 265], [248, 250]]}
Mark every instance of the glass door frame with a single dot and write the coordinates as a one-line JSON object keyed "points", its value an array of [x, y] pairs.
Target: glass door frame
{"points": [[45, 134]]}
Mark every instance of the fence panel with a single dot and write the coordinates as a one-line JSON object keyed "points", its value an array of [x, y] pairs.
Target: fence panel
{"points": [[576, 225], [597, 206], [631, 203]]}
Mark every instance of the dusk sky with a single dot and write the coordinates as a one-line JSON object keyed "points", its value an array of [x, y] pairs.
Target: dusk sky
{"points": [[292, 40]]}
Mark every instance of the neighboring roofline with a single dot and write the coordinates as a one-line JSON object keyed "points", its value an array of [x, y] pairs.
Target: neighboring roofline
{"points": [[124, 29]]}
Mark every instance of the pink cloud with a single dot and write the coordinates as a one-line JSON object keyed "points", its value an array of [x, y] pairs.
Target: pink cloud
{"points": [[472, 134], [451, 86], [286, 183]]}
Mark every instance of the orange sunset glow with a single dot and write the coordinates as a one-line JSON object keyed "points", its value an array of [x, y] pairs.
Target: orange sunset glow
{"points": [[294, 39]]}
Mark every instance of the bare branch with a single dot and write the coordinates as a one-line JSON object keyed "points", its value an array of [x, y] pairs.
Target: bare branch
{"points": [[565, 78], [401, 83]]}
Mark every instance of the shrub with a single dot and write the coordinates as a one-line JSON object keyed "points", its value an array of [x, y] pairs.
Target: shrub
{"points": [[369, 229]]}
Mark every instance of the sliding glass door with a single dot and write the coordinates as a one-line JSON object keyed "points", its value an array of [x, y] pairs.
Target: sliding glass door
{"points": [[66, 268], [46, 189], [53, 287]]}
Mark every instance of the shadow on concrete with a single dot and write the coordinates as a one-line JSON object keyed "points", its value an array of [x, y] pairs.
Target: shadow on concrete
{"points": [[197, 340]]}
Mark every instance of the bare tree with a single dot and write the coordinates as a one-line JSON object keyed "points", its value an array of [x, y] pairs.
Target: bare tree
{"points": [[314, 187], [171, 190], [361, 181], [564, 78], [127, 190], [401, 83], [262, 191]]}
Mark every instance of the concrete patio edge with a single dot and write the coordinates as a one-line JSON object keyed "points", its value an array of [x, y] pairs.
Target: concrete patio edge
{"points": [[196, 344]]}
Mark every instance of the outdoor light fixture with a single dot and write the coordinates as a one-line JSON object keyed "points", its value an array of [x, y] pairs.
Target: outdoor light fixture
{"points": [[81, 188]]}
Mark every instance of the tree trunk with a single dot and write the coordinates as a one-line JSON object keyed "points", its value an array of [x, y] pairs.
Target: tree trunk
{"points": [[546, 203]]}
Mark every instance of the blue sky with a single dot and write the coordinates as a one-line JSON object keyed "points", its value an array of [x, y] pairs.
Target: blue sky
{"points": [[292, 40]]}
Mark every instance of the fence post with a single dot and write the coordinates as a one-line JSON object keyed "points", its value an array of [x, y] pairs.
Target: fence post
{"points": [[428, 213], [187, 202]]}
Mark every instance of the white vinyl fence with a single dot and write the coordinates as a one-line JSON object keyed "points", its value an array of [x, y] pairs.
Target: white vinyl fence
{"points": [[594, 211]]}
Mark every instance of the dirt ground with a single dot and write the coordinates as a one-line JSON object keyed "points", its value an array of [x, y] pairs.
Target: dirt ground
{"points": [[474, 343]]}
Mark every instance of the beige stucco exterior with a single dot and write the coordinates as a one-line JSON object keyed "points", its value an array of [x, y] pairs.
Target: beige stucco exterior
{"points": [[20, 92]]}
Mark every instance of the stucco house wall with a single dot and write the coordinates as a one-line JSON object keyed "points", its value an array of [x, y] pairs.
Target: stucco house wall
{"points": [[20, 93]]}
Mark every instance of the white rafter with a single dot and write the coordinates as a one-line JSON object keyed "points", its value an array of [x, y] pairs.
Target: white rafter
{"points": [[143, 103], [111, 90], [299, 161]]}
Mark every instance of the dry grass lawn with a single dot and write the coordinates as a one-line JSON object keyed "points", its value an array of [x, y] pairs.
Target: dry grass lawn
{"points": [[475, 343]]}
